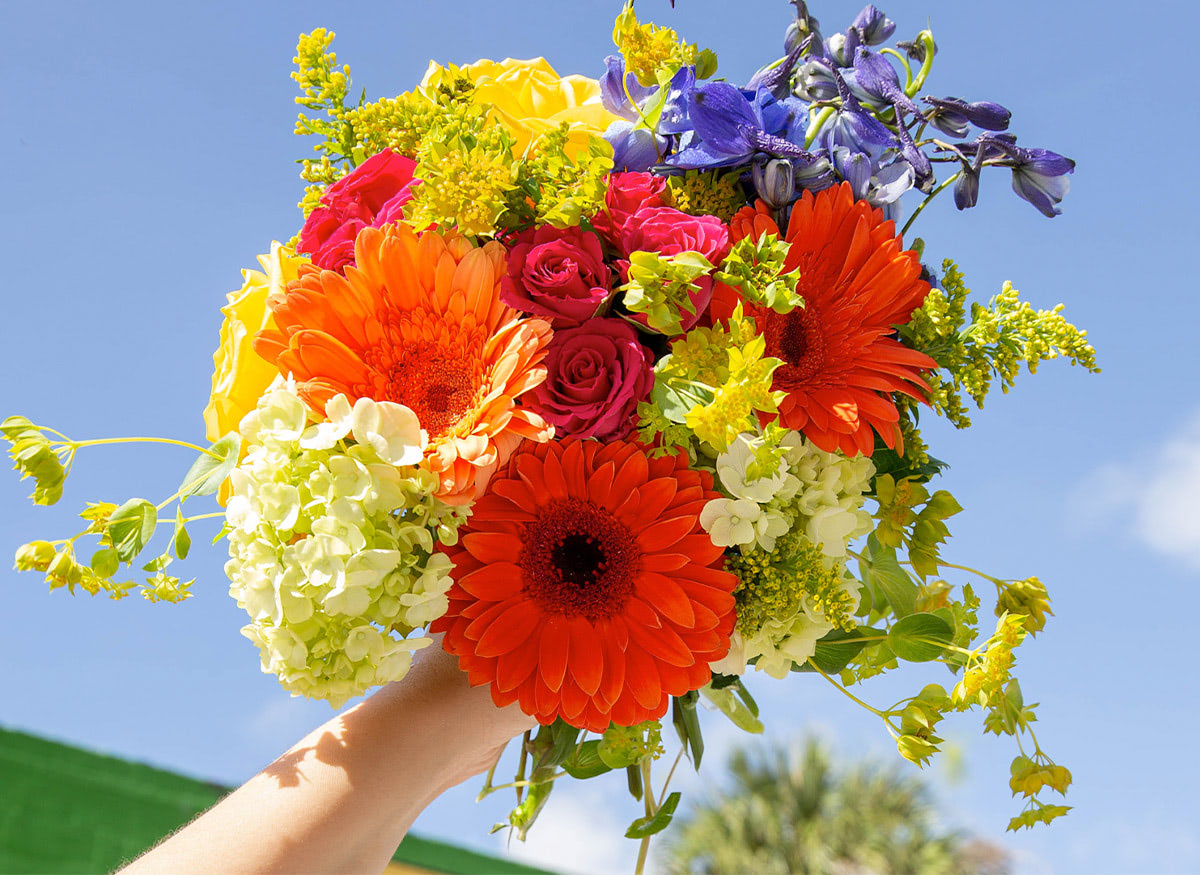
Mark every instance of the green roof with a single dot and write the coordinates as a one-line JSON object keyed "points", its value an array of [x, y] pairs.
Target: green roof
{"points": [[68, 810]]}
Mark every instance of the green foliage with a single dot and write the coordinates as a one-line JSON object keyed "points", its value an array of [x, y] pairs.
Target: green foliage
{"points": [[660, 287], [835, 651], [735, 702], [624, 746], [644, 827], [35, 456], [1001, 337], [901, 524], [712, 383], [687, 725], [754, 267], [556, 189], [212, 467], [920, 637], [122, 532], [131, 527], [586, 762]]}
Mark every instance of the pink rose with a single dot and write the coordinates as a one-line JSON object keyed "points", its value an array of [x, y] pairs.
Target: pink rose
{"points": [[668, 231], [597, 374], [627, 193], [371, 195], [557, 273]]}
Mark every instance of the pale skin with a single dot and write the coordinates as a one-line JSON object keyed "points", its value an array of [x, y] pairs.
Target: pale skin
{"points": [[342, 798]]}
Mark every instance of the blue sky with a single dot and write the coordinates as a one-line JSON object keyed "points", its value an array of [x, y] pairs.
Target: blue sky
{"points": [[149, 155]]}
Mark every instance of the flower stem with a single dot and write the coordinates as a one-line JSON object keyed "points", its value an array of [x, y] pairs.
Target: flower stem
{"points": [[925, 202], [816, 124], [846, 692], [918, 83], [136, 440], [651, 810]]}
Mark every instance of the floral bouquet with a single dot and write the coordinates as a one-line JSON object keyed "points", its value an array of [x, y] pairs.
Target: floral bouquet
{"points": [[614, 385]]}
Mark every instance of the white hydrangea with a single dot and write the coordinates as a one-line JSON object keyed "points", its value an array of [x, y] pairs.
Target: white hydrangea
{"points": [[814, 498], [829, 499], [332, 545], [823, 492]]}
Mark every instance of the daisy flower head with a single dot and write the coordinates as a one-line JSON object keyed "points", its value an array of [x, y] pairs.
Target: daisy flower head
{"points": [[841, 362], [585, 587], [418, 321]]}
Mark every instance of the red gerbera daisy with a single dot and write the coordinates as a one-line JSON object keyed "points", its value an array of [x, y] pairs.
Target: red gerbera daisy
{"points": [[585, 587], [841, 362]]}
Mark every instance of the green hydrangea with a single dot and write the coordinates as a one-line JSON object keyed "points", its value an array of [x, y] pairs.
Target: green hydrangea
{"points": [[331, 546]]}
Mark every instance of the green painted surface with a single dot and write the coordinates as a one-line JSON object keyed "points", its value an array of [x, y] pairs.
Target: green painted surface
{"points": [[67, 810]]}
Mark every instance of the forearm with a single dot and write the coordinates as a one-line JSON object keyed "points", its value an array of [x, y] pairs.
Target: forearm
{"points": [[343, 797]]}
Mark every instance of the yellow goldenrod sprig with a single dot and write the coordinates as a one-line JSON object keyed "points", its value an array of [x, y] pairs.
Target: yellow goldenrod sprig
{"points": [[1001, 337]]}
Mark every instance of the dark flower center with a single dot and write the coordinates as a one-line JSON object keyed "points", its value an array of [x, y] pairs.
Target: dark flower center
{"points": [[576, 559], [796, 338], [435, 381]]}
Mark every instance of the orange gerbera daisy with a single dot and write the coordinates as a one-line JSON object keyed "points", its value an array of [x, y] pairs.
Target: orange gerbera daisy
{"points": [[841, 361], [585, 587], [418, 320]]}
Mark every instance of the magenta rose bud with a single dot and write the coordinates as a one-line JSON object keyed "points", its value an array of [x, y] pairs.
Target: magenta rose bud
{"points": [[626, 194], [558, 274], [371, 195], [668, 231], [597, 373]]}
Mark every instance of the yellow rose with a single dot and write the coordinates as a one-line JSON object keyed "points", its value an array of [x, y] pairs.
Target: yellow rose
{"points": [[529, 98], [240, 375]]}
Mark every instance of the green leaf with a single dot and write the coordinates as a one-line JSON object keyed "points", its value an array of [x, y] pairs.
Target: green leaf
{"points": [[564, 736], [733, 708], [836, 649], [586, 762], [890, 579], [181, 543], [649, 825], [158, 563], [920, 637], [210, 470], [687, 724], [745, 696], [105, 562], [131, 527]]}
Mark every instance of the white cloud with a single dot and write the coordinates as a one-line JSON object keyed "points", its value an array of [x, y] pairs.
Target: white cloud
{"points": [[1155, 495]]}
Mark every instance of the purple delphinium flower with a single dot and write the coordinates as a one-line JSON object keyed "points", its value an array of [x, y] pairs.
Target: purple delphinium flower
{"points": [[954, 116], [777, 78], [616, 88], [852, 127], [634, 148], [728, 129], [878, 78], [1039, 175], [873, 26]]}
